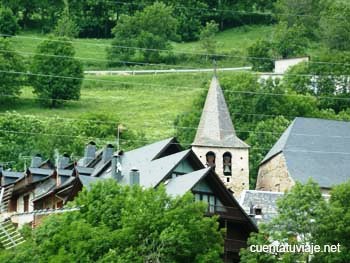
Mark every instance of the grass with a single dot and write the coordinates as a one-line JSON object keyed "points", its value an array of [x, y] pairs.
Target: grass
{"points": [[143, 103], [93, 51]]}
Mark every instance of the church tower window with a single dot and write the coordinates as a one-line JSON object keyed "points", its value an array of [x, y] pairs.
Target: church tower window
{"points": [[227, 164], [210, 157]]}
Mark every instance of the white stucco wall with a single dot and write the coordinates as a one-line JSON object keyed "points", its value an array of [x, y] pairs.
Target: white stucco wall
{"points": [[239, 180], [281, 66]]}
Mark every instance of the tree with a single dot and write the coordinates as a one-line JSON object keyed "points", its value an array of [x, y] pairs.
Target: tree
{"points": [[259, 55], [207, 37], [126, 224], [11, 67], [329, 80], [296, 223], [66, 27], [305, 13], [8, 22], [335, 24], [334, 227], [56, 74], [190, 17], [290, 41], [144, 33]]}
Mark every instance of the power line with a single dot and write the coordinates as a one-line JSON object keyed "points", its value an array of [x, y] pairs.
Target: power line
{"points": [[165, 50], [94, 59], [189, 88]]}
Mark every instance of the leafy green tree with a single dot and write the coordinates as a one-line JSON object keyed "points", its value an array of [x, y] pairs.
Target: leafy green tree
{"points": [[335, 24], [207, 37], [23, 136], [259, 55], [10, 63], [190, 17], [290, 41], [66, 27], [296, 223], [305, 13], [334, 227], [126, 224], [8, 22], [95, 18], [57, 75], [144, 33], [327, 80]]}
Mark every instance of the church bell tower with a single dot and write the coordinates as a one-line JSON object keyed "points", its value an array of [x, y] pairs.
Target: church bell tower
{"points": [[217, 145]]}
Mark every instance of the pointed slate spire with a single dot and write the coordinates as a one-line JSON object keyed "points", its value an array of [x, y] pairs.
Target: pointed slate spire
{"points": [[215, 126]]}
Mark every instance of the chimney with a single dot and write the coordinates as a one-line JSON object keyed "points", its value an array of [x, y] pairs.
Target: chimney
{"points": [[63, 161], [36, 161], [116, 169], [107, 153], [134, 177], [90, 151]]}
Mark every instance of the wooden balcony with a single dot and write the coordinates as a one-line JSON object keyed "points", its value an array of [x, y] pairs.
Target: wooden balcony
{"points": [[226, 212]]}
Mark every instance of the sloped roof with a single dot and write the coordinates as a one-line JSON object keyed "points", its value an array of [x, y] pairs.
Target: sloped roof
{"points": [[180, 185], [86, 181], [265, 200], [11, 176], [316, 148], [215, 126], [153, 172]]}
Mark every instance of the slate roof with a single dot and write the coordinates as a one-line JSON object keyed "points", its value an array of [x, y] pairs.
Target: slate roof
{"points": [[151, 172], [265, 200], [11, 177], [215, 126], [86, 181], [315, 148], [180, 185]]}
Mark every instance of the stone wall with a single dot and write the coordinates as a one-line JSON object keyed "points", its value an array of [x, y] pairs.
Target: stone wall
{"points": [[273, 175], [239, 180]]}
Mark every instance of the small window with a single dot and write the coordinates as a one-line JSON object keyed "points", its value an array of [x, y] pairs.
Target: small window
{"points": [[227, 179], [210, 157], [227, 165], [26, 203]]}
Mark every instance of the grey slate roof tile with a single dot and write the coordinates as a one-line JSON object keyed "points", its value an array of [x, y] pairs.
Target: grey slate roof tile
{"points": [[316, 148], [215, 126]]}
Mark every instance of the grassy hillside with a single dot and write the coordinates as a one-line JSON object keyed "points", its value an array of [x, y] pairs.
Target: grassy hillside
{"points": [[93, 51], [143, 103]]}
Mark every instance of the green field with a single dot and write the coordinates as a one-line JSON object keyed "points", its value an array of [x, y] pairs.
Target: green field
{"points": [[148, 103], [92, 52]]}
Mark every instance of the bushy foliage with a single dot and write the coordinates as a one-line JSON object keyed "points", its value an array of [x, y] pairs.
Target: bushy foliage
{"points": [[125, 224], [12, 71], [335, 24], [24, 136], [298, 211], [8, 22], [66, 26], [290, 41], [56, 74], [260, 56], [207, 34], [143, 32]]}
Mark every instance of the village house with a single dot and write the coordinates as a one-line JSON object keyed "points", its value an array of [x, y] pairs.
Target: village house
{"points": [[309, 148], [218, 159]]}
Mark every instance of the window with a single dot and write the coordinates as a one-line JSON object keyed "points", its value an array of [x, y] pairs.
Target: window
{"points": [[227, 165], [214, 204], [26, 203], [210, 157]]}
